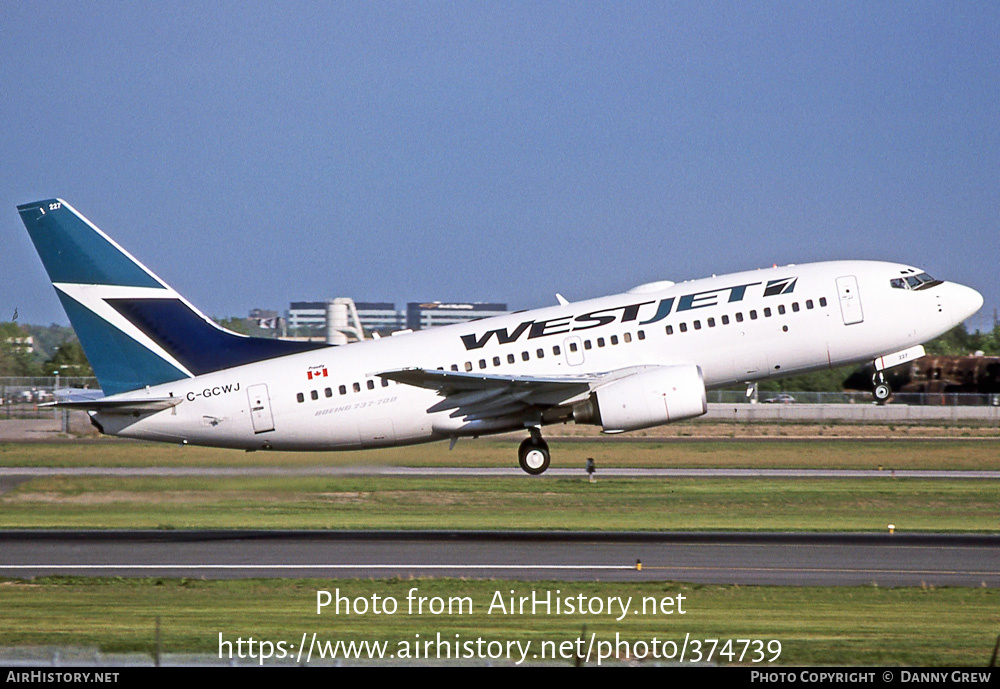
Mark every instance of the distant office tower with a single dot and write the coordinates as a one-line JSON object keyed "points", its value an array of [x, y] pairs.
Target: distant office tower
{"points": [[421, 315]]}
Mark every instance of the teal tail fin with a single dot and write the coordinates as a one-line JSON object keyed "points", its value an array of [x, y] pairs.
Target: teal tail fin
{"points": [[135, 330]]}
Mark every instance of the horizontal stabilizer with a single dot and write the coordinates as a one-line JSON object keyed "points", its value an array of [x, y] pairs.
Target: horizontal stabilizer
{"points": [[110, 406]]}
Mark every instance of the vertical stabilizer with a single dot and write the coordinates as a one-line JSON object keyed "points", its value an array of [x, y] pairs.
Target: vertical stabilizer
{"points": [[135, 330]]}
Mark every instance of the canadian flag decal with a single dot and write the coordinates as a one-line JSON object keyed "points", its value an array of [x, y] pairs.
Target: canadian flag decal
{"points": [[316, 372]]}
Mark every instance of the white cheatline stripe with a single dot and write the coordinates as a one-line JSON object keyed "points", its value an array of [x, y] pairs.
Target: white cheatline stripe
{"points": [[354, 566], [94, 298]]}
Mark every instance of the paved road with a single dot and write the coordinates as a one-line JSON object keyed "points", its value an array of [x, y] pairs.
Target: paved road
{"points": [[744, 558]]}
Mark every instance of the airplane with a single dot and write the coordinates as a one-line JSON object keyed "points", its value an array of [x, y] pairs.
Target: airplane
{"points": [[623, 362]]}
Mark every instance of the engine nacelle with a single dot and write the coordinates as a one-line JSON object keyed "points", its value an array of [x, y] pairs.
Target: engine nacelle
{"points": [[650, 398]]}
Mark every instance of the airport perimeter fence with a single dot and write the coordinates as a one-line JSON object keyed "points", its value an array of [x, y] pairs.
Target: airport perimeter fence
{"points": [[922, 399], [21, 398]]}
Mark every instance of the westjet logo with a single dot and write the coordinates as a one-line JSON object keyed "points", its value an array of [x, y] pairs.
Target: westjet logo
{"points": [[625, 314], [785, 286]]}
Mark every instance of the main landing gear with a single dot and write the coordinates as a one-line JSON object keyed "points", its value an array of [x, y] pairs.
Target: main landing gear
{"points": [[533, 455]]}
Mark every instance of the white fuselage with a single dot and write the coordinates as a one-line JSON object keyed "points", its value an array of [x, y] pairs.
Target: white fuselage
{"points": [[812, 317]]}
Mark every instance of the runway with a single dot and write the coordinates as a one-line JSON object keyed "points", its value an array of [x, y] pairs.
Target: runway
{"points": [[796, 559], [21, 472]]}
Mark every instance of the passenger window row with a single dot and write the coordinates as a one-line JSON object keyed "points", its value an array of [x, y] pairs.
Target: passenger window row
{"points": [[738, 316], [540, 353], [341, 389]]}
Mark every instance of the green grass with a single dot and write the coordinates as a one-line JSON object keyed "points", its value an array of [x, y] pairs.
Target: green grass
{"points": [[814, 454], [379, 502], [815, 626]]}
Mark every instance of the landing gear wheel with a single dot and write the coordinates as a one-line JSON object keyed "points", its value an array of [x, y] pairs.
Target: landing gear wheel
{"points": [[533, 456], [882, 392]]}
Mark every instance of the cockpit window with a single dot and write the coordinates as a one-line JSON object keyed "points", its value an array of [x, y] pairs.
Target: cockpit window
{"points": [[914, 282]]}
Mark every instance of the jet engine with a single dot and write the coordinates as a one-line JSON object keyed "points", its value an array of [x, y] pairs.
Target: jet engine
{"points": [[652, 397]]}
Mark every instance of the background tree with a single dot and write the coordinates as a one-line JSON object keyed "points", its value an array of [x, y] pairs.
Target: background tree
{"points": [[960, 342], [15, 359], [69, 360]]}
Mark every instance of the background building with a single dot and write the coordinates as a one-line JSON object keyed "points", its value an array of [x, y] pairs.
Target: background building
{"points": [[309, 317], [421, 315], [379, 316], [265, 319]]}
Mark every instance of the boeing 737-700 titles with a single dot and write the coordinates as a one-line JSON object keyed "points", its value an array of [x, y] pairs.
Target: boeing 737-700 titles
{"points": [[623, 362]]}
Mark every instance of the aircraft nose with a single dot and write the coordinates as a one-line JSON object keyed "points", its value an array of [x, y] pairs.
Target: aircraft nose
{"points": [[965, 301]]}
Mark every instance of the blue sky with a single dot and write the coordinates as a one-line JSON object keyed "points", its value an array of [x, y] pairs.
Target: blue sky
{"points": [[252, 154]]}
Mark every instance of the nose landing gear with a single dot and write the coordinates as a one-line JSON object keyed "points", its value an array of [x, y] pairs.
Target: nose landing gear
{"points": [[533, 454], [881, 390]]}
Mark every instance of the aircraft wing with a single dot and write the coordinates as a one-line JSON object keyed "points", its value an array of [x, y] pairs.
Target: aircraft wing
{"points": [[450, 382], [484, 396], [476, 395]]}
